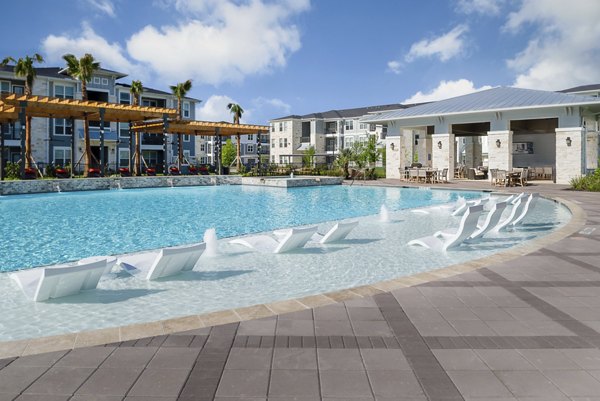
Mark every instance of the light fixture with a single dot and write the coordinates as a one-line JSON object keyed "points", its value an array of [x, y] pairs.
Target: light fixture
{"points": [[498, 143], [392, 146], [439, 144], [569, 141], [416, 140]]}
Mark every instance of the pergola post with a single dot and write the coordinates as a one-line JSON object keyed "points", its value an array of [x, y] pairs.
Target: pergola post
{"points": [[72, 147], [131, 152], [165, 127], [239, 153], [218, 150], [102, 161], [258, 148], [1, 151], [22, 120]]}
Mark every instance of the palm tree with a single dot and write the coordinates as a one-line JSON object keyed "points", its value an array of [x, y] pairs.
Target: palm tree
{"points": [[24, 68], [136, 91], [180, 90], [82, 69], [343, 161], [237, 112]]}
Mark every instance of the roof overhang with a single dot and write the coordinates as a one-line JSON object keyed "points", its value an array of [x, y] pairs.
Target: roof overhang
{"points": [[207, 128]]}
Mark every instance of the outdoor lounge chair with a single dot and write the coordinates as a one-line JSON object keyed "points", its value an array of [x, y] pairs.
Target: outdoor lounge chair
{"points": [[337, 233], [163, 263], [290, 239], [491, 220], [57, 281], [521, 206], [442, 240], [460, 209], [529, 204]]}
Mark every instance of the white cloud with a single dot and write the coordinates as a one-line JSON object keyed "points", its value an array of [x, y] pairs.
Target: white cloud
{"points": [[221, 41], [564, 48], [104, 6], [215, 109], [394, 66], [110, 55], [274, 103], [444, 47], [485, 7], [446, 90]]}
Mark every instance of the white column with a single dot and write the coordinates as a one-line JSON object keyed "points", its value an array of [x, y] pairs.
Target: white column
{"points": [[392, 157], [443, 147], [570, 153], [500, 150]]}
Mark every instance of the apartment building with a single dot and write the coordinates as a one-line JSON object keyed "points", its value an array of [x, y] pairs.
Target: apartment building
{"points": [[249, 148], [327, 132], [52, 139]]}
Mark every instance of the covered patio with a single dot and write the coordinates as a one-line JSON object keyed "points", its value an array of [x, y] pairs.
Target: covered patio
{"points": [[496, 129]]}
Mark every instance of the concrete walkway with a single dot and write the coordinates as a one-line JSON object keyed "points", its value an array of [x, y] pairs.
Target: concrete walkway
{"points": [[528, 329]]}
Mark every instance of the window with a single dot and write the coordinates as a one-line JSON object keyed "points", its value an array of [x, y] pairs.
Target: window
{"points": [[362, 126], [281, 142], [202, 147], [272, 143], [372, 127], [272, 158], [150, 157], [251, 137], [62, 156], [124, 98], [186, 109], [124, 158], [349, 125], [280, 127], [186, 138], [280, 159], [97, 80], [105, 81], [285, 142], [250, 149], [187, 155], [123, 130], [18, 89], [62, 126], [64, 92], [149, 103], [272, 127], [4, 87]]}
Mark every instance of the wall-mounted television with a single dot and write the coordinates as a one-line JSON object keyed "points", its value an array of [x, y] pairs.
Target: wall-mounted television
{"points": [[522, 148]]}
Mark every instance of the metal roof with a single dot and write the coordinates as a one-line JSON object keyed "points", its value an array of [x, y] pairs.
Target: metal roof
{"points": [[491, 100], [346, 113], [582, 88], [148, 91]]}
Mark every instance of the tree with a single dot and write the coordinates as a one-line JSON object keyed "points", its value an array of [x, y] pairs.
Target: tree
{"points": [[343, 160], [180, 90], [308, 156], [228, 153], [24, 68], [82, 69], [136, 91], [237, 112]]}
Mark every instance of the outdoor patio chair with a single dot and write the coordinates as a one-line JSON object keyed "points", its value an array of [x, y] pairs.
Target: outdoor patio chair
{"points": [[290, 239], [163, 263], [337, 233], [43, 283], [443, 240], [443, 176]]}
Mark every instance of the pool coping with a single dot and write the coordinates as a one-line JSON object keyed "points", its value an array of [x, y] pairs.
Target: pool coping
{"points": [[16, 348]]}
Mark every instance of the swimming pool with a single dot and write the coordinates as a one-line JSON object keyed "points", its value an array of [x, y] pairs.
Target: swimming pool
{"points": [[374, 251], [52, 228]]}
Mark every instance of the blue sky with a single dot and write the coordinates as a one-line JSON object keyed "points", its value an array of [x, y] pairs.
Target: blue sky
{"points": [[280, 57]]}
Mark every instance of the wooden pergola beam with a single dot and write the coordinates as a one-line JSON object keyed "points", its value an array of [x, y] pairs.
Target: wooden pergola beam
{"points": [[206, 128]]}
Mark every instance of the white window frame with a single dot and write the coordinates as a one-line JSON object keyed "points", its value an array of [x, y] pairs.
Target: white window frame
{"points": [[202, 147], [18, 86], [66, 123], [280, 127], [63, 88], [121, 100], [250, 137], [187, 155], [186, 110], [349, 125], [250, 148], [105, 81], [123, 126], [7, 83], [97, 80], [285, 142], [186, 138], [121, 151], [66, 150], [281, 142]]}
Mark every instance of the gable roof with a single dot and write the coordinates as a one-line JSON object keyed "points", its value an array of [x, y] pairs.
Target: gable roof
{"points": [[148, 91], [52, 72], [582, 88], [490, 100]]}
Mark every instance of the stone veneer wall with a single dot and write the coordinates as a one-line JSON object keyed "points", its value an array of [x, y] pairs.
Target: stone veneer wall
{"points": [[89, 184]]}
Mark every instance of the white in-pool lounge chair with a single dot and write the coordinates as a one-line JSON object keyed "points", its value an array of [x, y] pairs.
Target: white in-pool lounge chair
{"points": [[440, 241], [519, 210], [43, 283], [337, 233], [163, 263], [452, 207], [290, 239], [491, 220], [462, 208]]}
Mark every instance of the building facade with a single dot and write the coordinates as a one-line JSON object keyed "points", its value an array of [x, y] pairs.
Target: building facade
{"points": [[52, 139], [327, 132]]}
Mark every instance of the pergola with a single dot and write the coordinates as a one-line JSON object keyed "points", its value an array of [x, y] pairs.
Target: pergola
{"points": [[15, 107], [205, 128]]}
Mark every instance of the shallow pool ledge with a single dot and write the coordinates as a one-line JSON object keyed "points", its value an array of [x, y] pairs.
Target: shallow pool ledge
{"points": [[11, 349]]}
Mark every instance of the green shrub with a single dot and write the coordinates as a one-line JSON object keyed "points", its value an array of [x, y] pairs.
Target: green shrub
{"points": [[13, 171], [590, 182]]}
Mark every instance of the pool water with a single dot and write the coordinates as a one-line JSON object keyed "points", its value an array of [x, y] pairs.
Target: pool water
{"points": [[374, 251], [53, 228]]}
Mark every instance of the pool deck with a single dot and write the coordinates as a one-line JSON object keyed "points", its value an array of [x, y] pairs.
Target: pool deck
{"points": [[523, 325]]}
